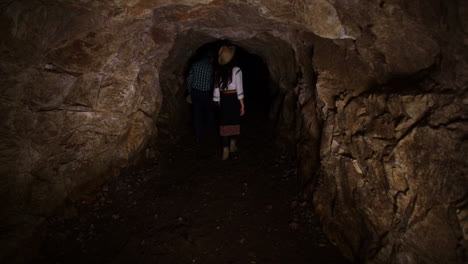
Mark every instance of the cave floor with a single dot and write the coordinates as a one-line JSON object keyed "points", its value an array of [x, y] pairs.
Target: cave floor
{"points": [[191, 207]]}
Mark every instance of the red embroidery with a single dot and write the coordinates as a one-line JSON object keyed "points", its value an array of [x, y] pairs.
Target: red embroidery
{"points": [[229, 130]]}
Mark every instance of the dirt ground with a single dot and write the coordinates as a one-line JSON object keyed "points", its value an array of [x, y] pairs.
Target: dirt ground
{"points": [[191, 207]]}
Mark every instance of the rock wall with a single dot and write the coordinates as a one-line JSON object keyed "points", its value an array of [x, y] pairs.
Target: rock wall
{"points": [[78, 100], [393, 177], [371, 96]]}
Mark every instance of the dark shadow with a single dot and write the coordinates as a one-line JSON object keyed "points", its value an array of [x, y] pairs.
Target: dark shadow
{"points": [[256, 81]]}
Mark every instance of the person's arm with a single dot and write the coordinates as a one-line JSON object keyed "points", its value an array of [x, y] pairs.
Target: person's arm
{"points": [[242, 110], [240, 90], [216, 95]]}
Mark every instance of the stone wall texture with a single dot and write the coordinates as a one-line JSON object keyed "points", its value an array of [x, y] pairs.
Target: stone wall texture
{"points": [[370, 95]]}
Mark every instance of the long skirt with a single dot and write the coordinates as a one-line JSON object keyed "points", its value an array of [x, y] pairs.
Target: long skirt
{"points": [[229, 110]]}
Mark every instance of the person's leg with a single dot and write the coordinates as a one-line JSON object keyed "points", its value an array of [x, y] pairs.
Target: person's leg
{"points": [[210, 117], [208, 113], [197, 115], [233, 145], [225, 142], [202, 121]]}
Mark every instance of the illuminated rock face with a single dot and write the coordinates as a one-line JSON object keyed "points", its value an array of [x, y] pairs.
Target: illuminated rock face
{"points": [[371, 95]]}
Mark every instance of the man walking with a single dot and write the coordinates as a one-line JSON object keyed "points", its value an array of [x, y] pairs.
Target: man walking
{"points": [[200, 87]]}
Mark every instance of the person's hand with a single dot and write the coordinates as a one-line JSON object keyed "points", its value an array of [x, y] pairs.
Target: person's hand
{"points": [[242, 111]]}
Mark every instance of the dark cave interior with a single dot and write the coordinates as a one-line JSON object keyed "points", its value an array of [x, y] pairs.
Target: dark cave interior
{"points": [[353, 145]]}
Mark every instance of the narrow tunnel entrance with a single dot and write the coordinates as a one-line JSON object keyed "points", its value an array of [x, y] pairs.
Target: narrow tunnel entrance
{"points": [[176, 114], [270, 73], [256, 85]]}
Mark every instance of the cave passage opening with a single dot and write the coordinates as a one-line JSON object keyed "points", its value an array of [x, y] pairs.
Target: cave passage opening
{"points": [[270, 74], [256, 81]]}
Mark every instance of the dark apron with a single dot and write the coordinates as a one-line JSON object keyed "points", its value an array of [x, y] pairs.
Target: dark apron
{"points": [[229, 110]]}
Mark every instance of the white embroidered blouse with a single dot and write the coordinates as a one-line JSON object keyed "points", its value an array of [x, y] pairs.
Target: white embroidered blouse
{"points": [[234, 85]]}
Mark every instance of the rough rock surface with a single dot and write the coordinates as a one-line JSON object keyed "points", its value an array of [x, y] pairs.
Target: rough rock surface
{"points": [[372, 96], [393, 157]]}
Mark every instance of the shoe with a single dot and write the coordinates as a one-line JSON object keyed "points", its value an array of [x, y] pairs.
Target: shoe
{"points": [[225, 155]]}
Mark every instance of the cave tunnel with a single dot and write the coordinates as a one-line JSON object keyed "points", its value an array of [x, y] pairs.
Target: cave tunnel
{"points": [[352, 150], [257, 84]]}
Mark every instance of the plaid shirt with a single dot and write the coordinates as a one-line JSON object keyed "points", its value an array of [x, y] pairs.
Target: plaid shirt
{"points": [[200, 77]]}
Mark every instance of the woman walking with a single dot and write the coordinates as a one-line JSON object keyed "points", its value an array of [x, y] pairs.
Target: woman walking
{"points": [[229, 94]]}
